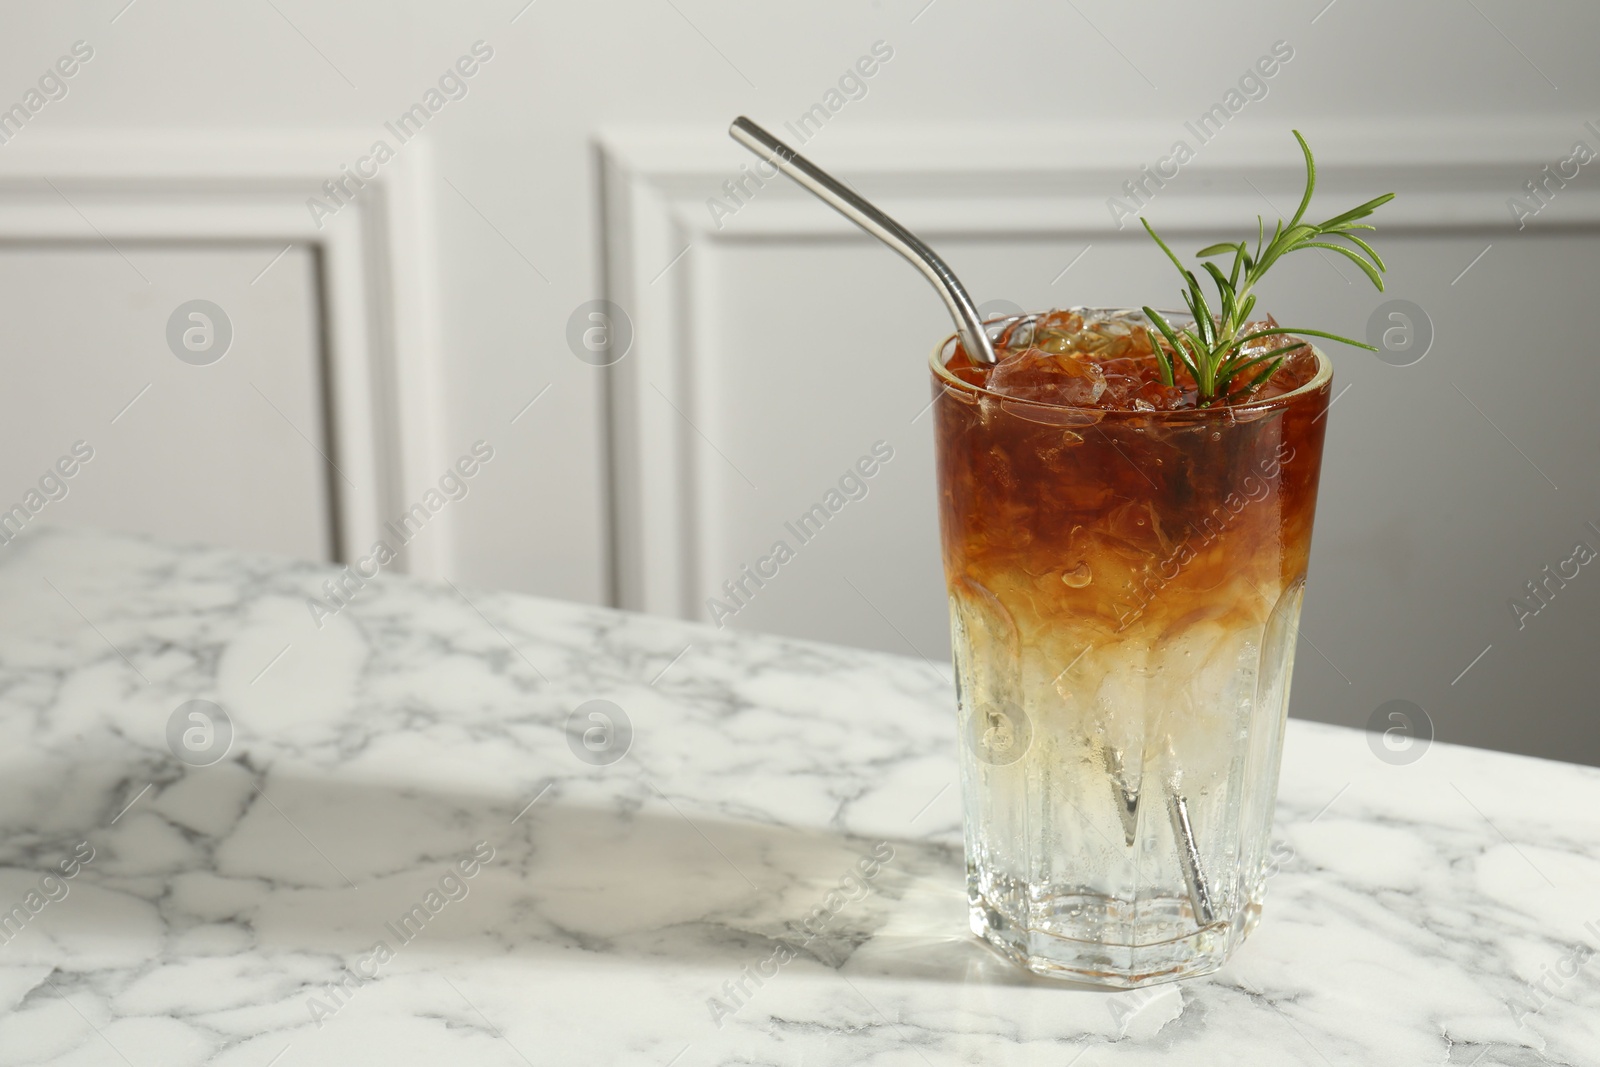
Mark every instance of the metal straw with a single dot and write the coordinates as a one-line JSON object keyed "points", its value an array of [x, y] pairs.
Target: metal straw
{"points": [[1189, 858], [1189, 861], [830, 191], [969, 327]]}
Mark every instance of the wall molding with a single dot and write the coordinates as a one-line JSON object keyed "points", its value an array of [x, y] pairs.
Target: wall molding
{"points": [[380, 298], [1009, 181]]}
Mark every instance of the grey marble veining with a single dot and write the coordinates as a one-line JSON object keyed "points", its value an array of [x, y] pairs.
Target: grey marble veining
{"points": [[771, 874]]}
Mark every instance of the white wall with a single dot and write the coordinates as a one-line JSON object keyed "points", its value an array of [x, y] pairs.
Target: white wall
{"points": [[1430, 521], [208, 451]]}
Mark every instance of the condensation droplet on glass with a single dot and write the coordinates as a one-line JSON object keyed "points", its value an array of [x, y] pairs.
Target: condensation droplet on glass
{"points": [[1216, 435], [1079, 576]]}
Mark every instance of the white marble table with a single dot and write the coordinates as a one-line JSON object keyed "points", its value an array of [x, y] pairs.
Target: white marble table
{"points": [[1439, 912]]}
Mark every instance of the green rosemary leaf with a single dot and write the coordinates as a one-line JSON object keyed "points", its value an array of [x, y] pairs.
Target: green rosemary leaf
{"points": [[1161, 324], [1224, 290], [1190, 354], [1210, 349], [1342, 340], [1188, 302], [1166, 331], [1311, 179], [1161, 354], [1176, 262], [1377, 260], [1297, 331], [1263, 376], [1233, 369], [1202, 312], [1358, 212], [1317, 333], [1371, 272], [1297, 235]]}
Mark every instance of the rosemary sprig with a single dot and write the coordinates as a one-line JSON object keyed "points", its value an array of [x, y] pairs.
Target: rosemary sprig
{"points": [[1212, 350]]}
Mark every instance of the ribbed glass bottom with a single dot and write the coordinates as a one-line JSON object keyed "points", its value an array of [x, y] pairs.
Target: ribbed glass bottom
{"points": [[1061, 934], [1117, 816]]}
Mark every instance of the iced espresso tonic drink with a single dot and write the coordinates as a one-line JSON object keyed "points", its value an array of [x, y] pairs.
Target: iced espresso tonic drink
{"points": [[1125, 566]]}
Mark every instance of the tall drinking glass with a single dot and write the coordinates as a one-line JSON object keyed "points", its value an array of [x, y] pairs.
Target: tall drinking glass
{"points": [[1125, 589]]}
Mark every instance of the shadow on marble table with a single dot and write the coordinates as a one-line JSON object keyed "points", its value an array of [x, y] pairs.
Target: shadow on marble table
{"points": [[299, 863]]}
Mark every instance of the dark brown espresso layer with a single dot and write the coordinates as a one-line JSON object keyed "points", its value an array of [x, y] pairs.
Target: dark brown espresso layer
{"points": [[1098, 522]]}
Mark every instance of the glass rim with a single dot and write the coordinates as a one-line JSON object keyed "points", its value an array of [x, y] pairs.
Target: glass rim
{"points": [[1320, 380]]}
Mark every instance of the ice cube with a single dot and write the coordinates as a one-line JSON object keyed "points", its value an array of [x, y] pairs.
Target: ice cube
{"points": [[1051, 378]]}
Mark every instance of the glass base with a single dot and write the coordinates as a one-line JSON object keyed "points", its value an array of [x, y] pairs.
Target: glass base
{"points": [[1063, 934]]}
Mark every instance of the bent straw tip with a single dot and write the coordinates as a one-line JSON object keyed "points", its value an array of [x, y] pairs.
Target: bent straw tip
{"points": [[743, 129]]}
